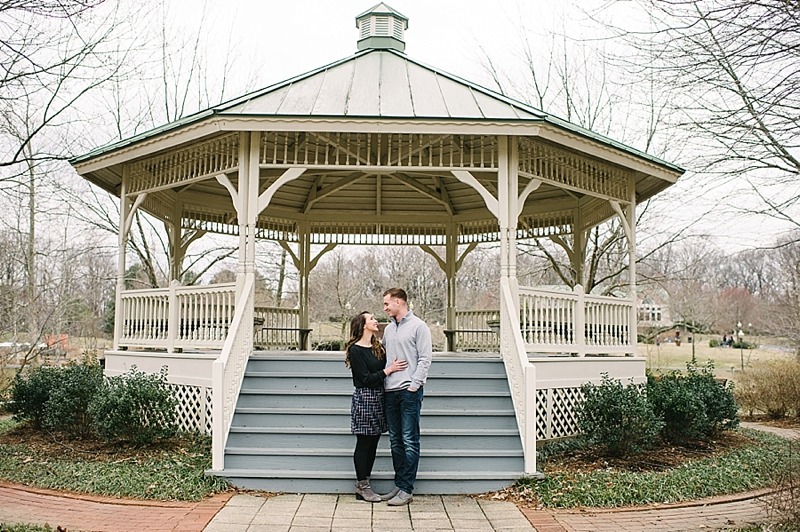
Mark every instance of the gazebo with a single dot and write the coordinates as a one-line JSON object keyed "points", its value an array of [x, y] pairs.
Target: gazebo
{"points": [[373, 149]]}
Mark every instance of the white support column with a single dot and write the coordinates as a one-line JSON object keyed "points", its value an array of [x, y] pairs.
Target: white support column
{"points": [[122, 244], [241, 208], [513, 214], [176, 241], [578, 246], [451, 274], [631, 212], [508, 210], [304, 270], [252, 202]]}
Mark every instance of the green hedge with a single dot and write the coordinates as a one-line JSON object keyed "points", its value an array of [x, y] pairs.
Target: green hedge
{"points": [[676, 408], [76, 400]]}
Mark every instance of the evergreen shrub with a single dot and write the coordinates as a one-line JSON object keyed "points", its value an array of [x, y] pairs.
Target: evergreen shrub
{"points": [[694, 406], [617, 418], [30, 392], [66, 409], [136, 407]]}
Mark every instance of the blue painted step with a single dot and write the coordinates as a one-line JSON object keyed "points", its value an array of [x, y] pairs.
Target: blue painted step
{"points": [[291, 427]]}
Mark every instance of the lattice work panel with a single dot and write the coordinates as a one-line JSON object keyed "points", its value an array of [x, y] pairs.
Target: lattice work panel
{"points": [[194, 407], [350, 149], [564, 412], [557, 412], [541, 413], [216, 156], [571, 169], [208, 409]]}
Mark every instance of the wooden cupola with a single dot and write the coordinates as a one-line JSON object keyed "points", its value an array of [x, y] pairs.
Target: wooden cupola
{"points": [[381, 27]]}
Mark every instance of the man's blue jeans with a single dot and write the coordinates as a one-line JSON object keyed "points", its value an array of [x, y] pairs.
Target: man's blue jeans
{"points": [[402, 413]]}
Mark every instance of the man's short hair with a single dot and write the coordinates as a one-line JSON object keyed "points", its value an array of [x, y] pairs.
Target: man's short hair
{"points": [[397, 293]]}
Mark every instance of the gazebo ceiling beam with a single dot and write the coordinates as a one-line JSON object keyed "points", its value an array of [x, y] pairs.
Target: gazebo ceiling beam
{"points": [[332, 189], [311, 197], [423, 189], [445, 195]]}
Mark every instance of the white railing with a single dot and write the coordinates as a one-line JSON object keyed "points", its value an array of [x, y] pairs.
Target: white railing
{"points": [[177, 316], [227, 373], [554, 321], [472, 332], [521, 378], [277, 328]]}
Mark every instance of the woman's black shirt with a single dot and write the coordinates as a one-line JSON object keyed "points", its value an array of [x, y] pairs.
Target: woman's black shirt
{"points": [[367, 369]]}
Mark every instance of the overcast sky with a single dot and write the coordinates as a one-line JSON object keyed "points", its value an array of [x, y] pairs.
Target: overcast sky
{"points": [[287, 38]]}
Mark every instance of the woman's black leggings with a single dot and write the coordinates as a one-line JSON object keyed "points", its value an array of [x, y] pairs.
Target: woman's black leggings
{"points": [[364, 455]]}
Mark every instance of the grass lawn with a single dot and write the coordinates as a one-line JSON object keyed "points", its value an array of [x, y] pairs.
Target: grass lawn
{"points": [[727, 361]]}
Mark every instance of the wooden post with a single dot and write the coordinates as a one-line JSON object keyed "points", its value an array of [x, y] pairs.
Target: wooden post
{"points": [[631, 212], [122, 244], [580, 320], [304, 270], [173, 316], [451, 273]]}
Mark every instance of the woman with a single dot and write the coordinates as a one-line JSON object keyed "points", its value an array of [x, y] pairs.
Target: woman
{"points": [[365, 357]]}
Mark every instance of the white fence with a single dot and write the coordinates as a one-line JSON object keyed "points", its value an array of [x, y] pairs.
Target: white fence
{"points": [[556, 322], [473, 332], [176, 317], [553, 321], [277, 328]]}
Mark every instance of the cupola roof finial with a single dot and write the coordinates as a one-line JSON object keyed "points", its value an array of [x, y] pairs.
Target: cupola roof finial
{"points": [[381, 27]]}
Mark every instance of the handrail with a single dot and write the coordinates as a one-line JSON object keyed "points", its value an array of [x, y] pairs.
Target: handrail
{"points": [[227, 373], [521, 378]]}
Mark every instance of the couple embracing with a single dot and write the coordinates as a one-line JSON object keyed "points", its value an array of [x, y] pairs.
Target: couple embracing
{"points": [[388, 377]]}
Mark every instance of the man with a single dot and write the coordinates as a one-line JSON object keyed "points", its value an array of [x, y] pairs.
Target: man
{"points": [[406, 338]]}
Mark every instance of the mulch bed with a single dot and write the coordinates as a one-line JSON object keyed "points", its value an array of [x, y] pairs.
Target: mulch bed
{"points": [[658, 458], [44, 443]]}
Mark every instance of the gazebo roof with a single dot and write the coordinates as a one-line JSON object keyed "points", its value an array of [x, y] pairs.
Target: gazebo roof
{"points": [[383, 139], [378, 84]]}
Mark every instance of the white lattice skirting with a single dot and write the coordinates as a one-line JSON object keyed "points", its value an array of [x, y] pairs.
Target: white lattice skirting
{"points": [[556, 412], [194, 407]]}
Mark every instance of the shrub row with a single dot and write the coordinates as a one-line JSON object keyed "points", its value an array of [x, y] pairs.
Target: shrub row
{"points": [[771, 388], [77, 400], [675, 408]]}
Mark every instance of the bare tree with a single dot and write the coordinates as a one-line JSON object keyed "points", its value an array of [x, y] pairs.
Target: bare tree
{"points": [[783, 310], [52, 55], [570, 77], [731, 72]]}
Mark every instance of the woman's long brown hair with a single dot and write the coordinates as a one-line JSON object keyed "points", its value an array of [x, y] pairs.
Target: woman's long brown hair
{"points": [[356, 332]]}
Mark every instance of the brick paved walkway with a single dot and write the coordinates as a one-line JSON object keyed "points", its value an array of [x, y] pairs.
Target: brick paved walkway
{"points": [[715, 513], [21, 504]]}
